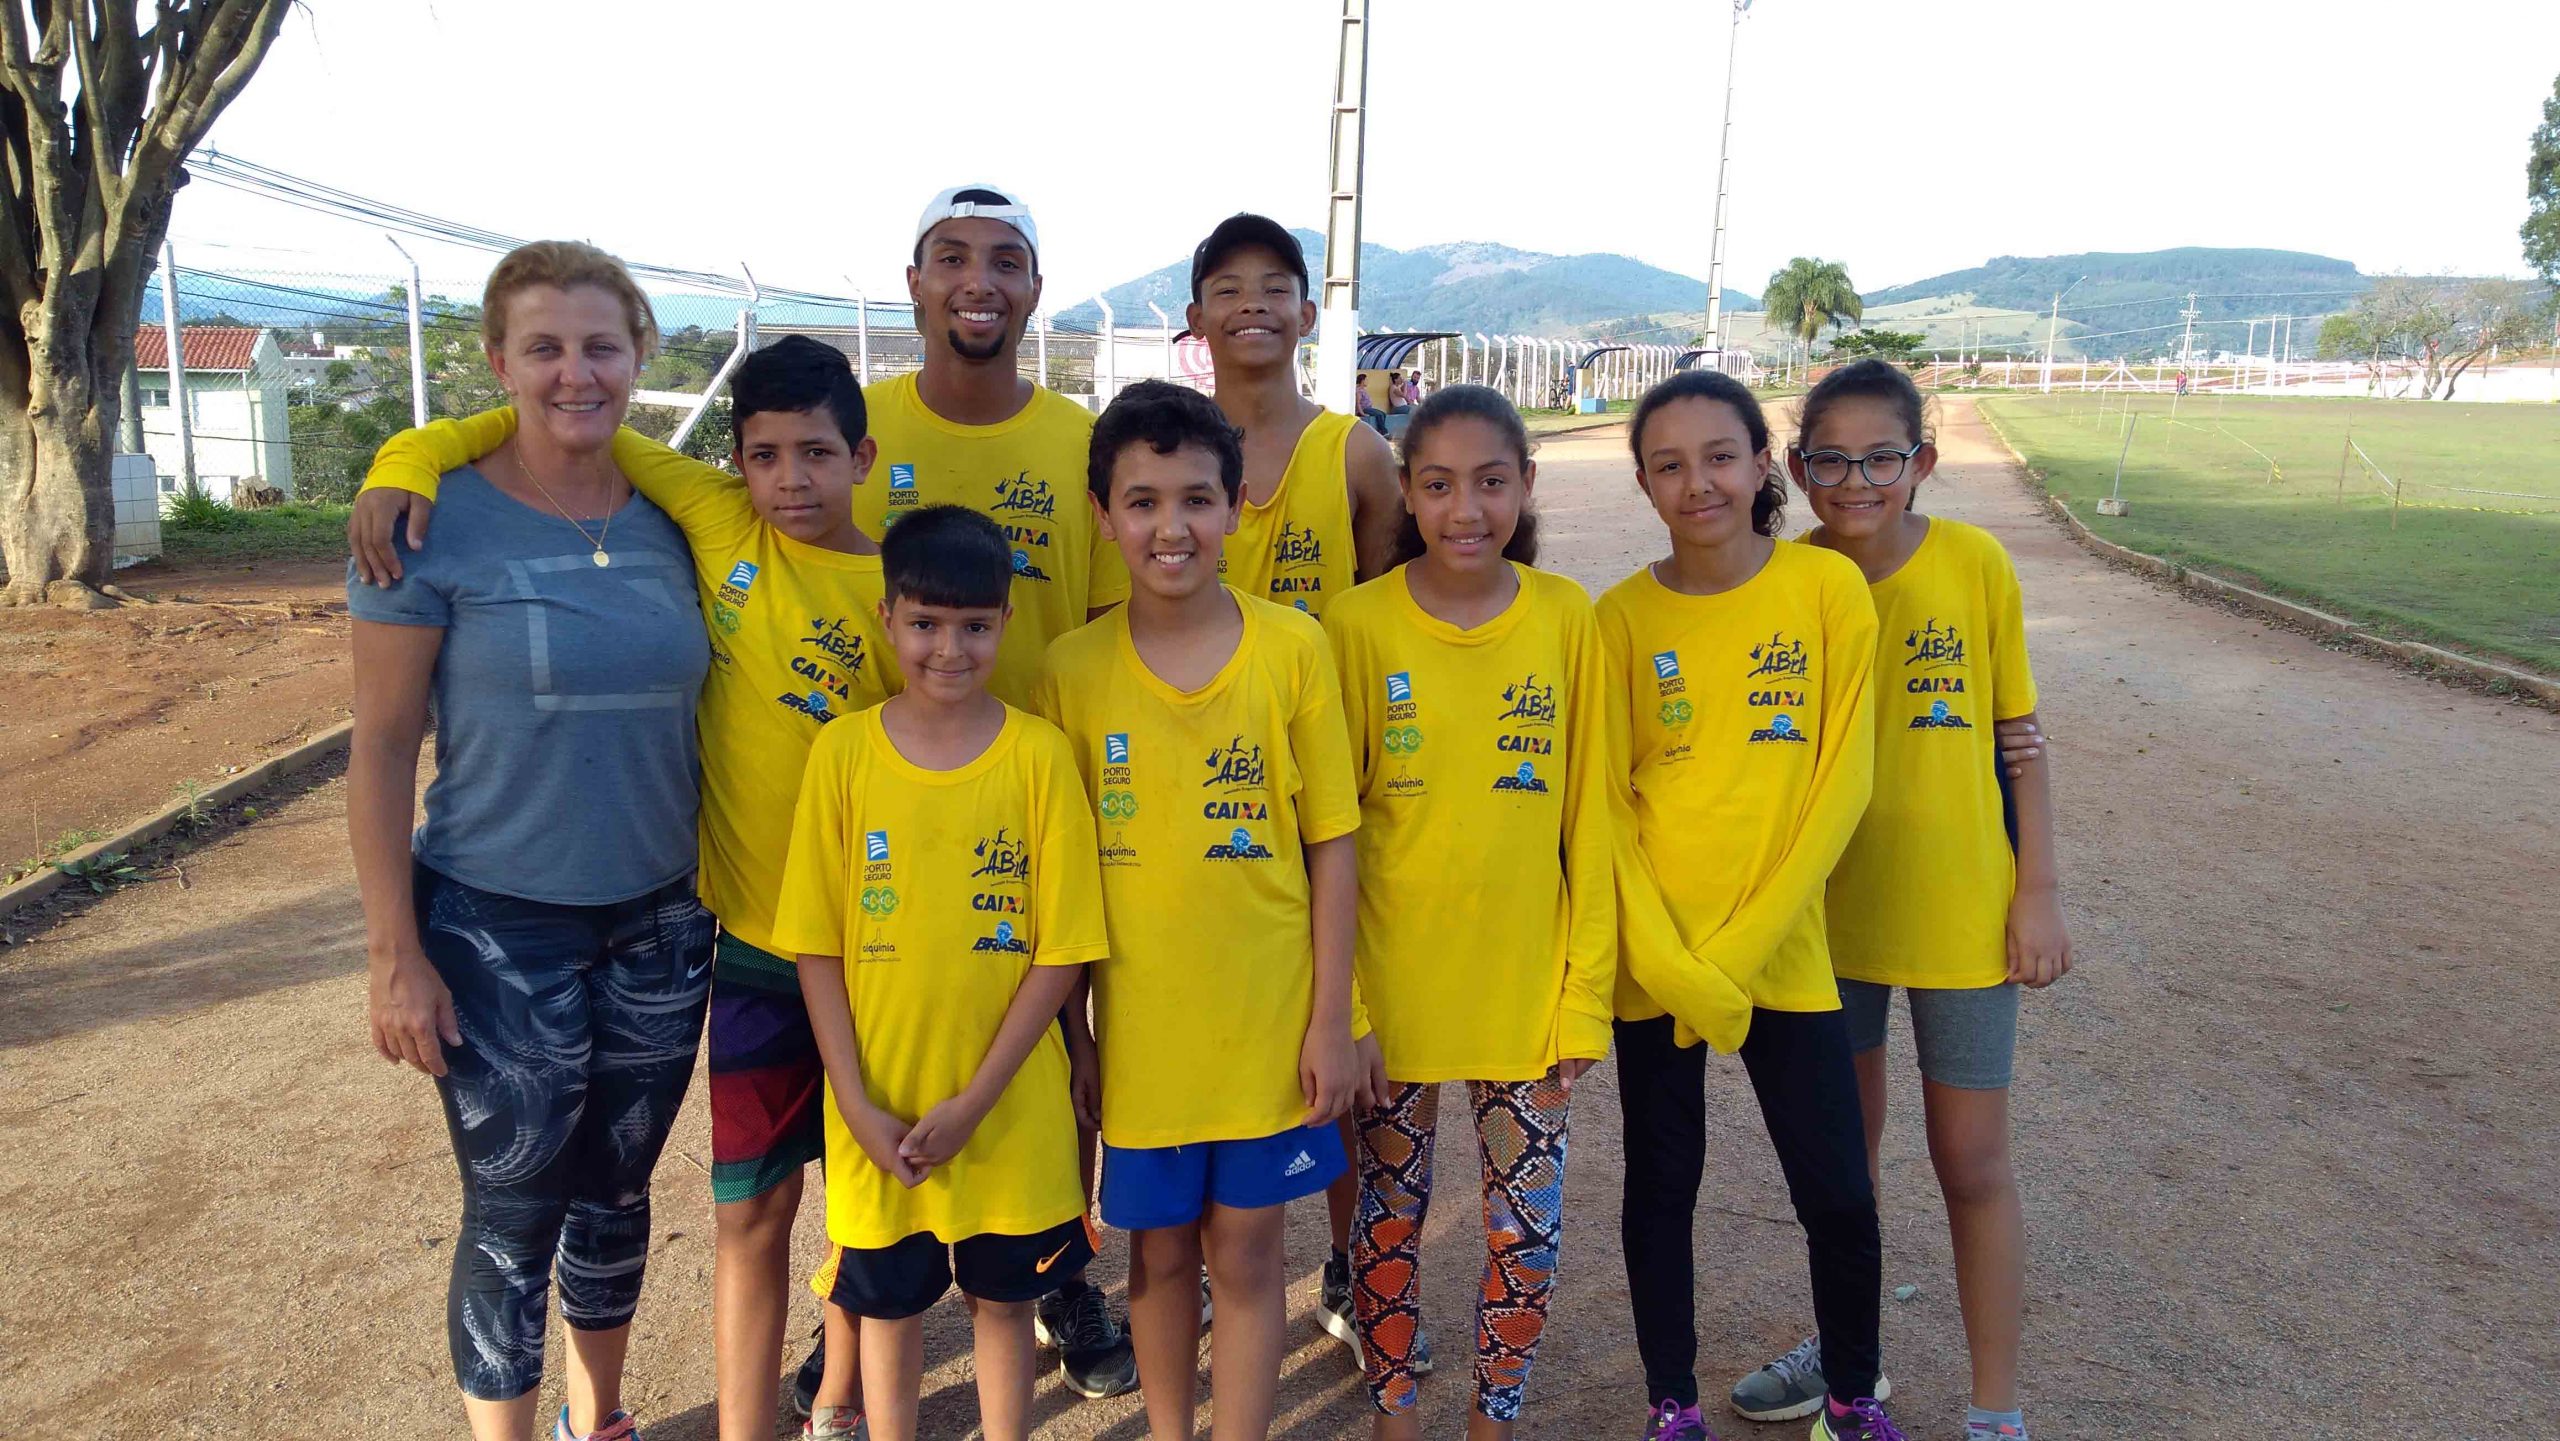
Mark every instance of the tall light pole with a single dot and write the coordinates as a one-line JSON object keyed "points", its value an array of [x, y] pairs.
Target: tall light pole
{"points": [[1338, 322], [1724, 160], [2053, 327]]}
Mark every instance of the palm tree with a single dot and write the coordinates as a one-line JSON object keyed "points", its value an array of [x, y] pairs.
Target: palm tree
{"points": [[1808, 295]]}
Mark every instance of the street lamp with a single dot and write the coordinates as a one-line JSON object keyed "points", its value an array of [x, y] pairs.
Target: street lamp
{"points": [[2051, 326], [1724, 153]]}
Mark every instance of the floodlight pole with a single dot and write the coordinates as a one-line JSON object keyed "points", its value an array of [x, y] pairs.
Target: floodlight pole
{"points": [[1338, 323], [1724, 158], [417, 352], [2053, 327]]}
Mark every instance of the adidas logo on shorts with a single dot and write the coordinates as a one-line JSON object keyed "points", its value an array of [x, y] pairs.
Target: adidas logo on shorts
{"points": [[1300, 1166]]}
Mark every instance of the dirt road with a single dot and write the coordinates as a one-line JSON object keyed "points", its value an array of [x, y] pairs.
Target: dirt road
{"points": [[2285, 1136]]}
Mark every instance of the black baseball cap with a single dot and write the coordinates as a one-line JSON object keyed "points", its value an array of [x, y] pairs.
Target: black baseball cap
{"points": [[1241, 231]]}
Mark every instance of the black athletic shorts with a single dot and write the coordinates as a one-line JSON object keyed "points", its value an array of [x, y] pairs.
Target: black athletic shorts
{"points": [[905, 1278]]}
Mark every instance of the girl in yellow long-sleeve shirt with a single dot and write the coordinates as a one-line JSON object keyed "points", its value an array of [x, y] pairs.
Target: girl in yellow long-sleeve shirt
{"points": [[1475, 691], [1740, 720]]}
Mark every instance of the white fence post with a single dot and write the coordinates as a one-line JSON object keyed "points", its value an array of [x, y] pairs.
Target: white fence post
{"points": [[177, 365], [1107, 379], [1164, 328], [1043, 322]]}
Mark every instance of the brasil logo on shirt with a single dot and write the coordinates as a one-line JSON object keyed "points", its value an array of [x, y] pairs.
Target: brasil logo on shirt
{"points": [[1003, 940], [1239, 846], [1940, 718], [1781, 728], [1523, 779]]}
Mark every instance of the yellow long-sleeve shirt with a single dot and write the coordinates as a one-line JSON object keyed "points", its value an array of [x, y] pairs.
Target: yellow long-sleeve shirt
{"points": [[1742, 723], [1488, 919], [796, 643]]}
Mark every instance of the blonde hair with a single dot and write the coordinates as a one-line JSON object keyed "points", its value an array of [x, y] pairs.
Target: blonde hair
{"points": [[563, 264]]}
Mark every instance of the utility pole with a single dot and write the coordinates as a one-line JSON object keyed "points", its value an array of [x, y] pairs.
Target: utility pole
{"points": [[1724, 162], [2052, 328], [2187, 342], [1338, 323], [417, 342], [169, 329]]}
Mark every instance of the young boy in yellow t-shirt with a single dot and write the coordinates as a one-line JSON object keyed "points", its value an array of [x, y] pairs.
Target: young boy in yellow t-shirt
{"points": [[941, 894], [1209, 728], [790, 593]]}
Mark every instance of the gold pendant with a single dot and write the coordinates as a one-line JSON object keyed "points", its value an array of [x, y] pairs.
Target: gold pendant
{"points": [[603, 560]]}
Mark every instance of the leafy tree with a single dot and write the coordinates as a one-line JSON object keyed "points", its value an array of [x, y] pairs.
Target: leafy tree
{"points": [[2438, 328], [1809, 295], [2541, 228], [96, 116], [1895, 345]]}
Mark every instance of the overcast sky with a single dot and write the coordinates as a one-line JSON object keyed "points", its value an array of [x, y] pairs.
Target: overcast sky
{"points": [[1903, 138]]}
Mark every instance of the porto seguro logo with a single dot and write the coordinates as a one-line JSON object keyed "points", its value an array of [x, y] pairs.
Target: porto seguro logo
{"points": [[1115, 749], [875, 847], [879, 899], [1666, 674], [1399, 687], [902, 477]]}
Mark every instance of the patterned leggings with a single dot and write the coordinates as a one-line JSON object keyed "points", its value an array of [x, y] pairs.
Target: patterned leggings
{"points": [[1521, 1126]]}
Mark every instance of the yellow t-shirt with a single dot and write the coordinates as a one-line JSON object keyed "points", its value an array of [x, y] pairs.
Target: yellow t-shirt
{"points": [[1296, 549], [1742, 721], [795, 643], [1027, 474], [941, 889], [1921, 896], [1488, 922], [1207, 800]]}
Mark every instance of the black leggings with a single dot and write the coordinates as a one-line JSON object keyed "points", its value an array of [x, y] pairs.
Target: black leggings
{"points": [[579, 1027], [1800, 1069]]}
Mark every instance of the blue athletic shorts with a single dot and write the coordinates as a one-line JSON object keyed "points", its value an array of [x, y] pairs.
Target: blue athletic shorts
{"points": [[1144, 1188]]}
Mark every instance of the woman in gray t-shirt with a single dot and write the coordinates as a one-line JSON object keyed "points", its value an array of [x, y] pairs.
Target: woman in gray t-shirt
{"points": [[536, 947]]}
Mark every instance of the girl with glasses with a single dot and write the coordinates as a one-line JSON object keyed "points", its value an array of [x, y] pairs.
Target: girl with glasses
{"points": [[1935, 894]]}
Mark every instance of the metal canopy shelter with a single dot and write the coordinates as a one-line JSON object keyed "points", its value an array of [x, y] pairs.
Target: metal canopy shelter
{"points": [[1392, 350], [1589, 356]]}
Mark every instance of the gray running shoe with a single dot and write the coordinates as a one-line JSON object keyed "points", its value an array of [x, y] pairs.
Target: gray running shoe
{"points": [[1093, 1345], [1333, 1313], [1790, 1387]]}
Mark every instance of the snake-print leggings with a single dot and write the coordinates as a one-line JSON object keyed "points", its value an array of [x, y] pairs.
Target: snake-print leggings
{"points": [[1521, 1127]]}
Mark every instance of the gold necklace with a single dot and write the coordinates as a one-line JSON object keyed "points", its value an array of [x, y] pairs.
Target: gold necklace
{"points": [[603, 557]]}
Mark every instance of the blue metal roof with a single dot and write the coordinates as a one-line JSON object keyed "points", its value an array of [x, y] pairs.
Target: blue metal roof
{"points": [[1390, 350]]}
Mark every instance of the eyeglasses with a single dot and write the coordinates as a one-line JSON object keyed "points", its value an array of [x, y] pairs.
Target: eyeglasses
{"points": [[1827, 468]]}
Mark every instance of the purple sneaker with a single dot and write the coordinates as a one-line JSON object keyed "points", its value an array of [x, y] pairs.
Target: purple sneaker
{"points": [[1865, 1420], [1671, 1421]]}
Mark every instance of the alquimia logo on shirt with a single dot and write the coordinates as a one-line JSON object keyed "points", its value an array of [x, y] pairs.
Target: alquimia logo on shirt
{"points": [[1399, 686]]}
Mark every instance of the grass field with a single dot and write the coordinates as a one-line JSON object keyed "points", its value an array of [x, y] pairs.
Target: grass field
{"points": [[2264, 489], [216, 533]]}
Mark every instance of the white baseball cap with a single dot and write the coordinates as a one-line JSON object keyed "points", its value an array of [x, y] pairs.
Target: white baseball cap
{"points": [[985, 202]]}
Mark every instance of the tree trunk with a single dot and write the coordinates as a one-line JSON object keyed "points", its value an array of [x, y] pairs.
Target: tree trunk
{"points": [[57, 503]]}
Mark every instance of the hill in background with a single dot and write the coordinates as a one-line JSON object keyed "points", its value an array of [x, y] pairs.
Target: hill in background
{"points": [[1468, 285], [2130, 302]]}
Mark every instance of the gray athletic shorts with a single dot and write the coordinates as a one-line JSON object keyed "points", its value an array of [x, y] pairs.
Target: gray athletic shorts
{"points": [[1967, 1039]]}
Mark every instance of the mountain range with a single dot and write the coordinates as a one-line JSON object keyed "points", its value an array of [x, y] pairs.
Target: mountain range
{"points": [[2123, 303], [1468, 285]]}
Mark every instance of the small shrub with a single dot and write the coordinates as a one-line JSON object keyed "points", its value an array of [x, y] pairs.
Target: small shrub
{"points": [[194, 508]]}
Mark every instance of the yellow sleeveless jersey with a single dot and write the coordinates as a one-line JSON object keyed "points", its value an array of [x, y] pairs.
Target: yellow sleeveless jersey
{"points": [[1295, 549]]}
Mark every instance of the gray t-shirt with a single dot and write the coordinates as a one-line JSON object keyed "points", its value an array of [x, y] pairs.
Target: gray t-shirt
{"points": [[565, 763]]}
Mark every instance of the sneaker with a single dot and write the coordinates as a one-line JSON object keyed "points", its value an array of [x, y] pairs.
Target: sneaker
{"points": [[1672, 1421], [804, 1382], [1863, 1421], [1993, 1431], [1333, 1313], [1333, 1308], [1790, 1387], [835, 1423], [617, 1427], [1093, 1346]]}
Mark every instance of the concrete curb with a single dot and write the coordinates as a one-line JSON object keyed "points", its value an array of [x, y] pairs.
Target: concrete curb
{"points": [[160, 822], [2545, 689]]}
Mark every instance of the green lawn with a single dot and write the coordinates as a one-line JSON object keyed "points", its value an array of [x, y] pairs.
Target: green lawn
{"points": [[286, 532], [2472, 558]]}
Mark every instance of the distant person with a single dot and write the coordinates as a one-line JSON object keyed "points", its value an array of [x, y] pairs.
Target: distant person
{"points": [[1413, 390], [790, 598], [1366, 406], [536, 946], [2182, 382], [943, 901], [1741, 699], [1488, 917], [1934, 894]]}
